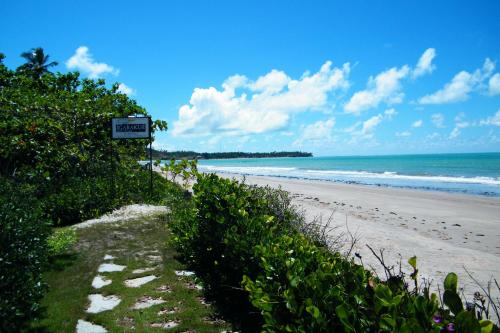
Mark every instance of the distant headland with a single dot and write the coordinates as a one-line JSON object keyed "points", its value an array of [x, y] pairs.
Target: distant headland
{"points": [[164, 155]]}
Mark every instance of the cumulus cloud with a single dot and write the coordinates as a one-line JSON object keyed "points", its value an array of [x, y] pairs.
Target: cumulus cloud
{"points": [[493, 120], [460, 86], [124, 89], [494, 84], [390, 113], [417, 124], [385, 87], [266, 104], [83, 61], [425, 65], [438, 120], [316, 133]]}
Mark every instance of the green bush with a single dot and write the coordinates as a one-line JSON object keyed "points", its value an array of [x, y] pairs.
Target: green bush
{"points": [[55, 136], [218, 235], [61, 241], [23, 253], [246, 245]]}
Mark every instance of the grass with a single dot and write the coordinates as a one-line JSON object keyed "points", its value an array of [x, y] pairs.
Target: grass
{"points": [[131, 242]]}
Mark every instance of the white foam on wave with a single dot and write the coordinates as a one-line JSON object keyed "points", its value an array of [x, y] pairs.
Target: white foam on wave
{"points": [[393, 175], [348, 175], [251, 170]]}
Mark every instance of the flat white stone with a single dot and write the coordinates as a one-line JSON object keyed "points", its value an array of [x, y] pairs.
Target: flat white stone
{"points": [[109, 257], [134, 283], [99, 303], [110, 268], [100, 281], [184, 273], [167, 325], [154, 258], [147, 302], [85, 327], [143, 270]]}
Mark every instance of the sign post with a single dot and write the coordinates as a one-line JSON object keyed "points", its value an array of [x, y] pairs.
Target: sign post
{"points": [[135, 128]]}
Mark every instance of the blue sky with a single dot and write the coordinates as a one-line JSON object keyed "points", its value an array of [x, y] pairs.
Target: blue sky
{"points": [[330, 77]]}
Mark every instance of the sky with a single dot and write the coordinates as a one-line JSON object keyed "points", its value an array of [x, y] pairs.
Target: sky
{"points": [[327, 77]]}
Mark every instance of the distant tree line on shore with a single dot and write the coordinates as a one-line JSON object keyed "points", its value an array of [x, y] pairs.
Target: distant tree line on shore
{"points": [[164, 155]]}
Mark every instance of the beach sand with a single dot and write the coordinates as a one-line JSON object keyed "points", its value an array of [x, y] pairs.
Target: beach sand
{"points": [[446, 232]]}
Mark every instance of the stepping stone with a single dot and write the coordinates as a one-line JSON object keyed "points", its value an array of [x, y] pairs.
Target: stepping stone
{"points": [[134, 283], [109, 257], [86, 327], [184, 273], [100, 303], [167, 325], [143, 270], [110, 268], [100, 281], [152, 258], [147, 302], [168, 311], [164, 289]]}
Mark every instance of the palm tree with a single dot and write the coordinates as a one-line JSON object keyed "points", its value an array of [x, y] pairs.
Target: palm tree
{"points": [[37, 62]]}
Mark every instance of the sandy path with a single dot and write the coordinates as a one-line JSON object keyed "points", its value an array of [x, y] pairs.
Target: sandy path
{"points": [[445, 231]]}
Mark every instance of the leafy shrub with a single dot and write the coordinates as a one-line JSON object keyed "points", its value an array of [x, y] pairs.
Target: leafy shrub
{"points": [[55, 136], [23, 252], [61, 241], [218, 235], [235, 236]]}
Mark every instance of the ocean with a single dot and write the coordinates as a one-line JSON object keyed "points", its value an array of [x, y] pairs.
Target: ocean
{"points": [[476, 173]]}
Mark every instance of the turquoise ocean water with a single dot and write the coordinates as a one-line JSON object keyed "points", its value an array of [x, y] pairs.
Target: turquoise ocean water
{"points": [[465, 173]]}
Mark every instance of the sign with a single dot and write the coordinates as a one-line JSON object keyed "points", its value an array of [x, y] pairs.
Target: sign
{"points": [[131, 128]]}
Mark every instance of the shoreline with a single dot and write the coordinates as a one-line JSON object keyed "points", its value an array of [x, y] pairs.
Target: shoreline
{"points": [[446, 231]]}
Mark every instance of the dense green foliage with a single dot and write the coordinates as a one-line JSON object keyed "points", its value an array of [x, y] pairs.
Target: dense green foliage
{"points": [[61, 241], [58, 166], [245, 244], [164, 155], [23, 253], [55, 136]]}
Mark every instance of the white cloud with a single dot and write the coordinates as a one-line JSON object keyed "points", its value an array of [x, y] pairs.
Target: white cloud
{"points": [[385, 87], [432, 136], [425, 65], [462, 84], [417, 124], [455, 133], [83, 61], [273, 82], [403, 134], [390, 113], [460, 123], [494, 84], [260, 106], [124, 89], [370, 124], [318, 132], [438, 120], [493, 120]]}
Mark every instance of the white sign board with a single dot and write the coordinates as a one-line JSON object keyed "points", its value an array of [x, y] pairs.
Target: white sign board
{"points": [[130, 128]]}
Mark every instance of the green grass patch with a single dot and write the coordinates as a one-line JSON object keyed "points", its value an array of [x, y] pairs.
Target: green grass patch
{"points": [[132, 243]]}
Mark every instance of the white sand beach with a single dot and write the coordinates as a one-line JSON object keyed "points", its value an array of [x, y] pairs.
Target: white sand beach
{"points": [[446, 232]]}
